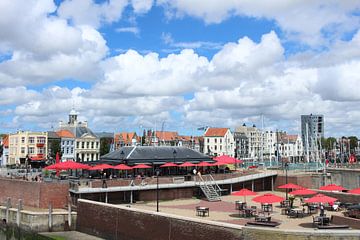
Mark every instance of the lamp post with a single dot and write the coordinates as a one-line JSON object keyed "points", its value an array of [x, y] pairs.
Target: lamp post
{"points": [[174, 155], [157, 188], [286, 177]]}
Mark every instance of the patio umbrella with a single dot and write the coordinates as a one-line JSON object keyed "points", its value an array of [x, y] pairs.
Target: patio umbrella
{"points": [[244, 192], [303, 191], [122, 167], [268, 198], [187, 164], [320, 198], [141, 166], [169, 164], [355, 191], [332, 187], [290, 186], [101, 167], [67, 165], [204, 164], [227, 159]]}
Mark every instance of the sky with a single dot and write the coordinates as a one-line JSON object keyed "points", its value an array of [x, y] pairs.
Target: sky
{"points": [[178, 65]]}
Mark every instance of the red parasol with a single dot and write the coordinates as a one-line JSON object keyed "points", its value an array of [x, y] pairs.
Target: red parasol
{"points": [[355, 191], [141, 166], [122, 167], [204, 164], [332, 187], [290, 186], [320, 198], [268, 198], [303, 191], [169, 164], [225, 159], [244, 192], [187, 164], [101, 167], [67, 165]]}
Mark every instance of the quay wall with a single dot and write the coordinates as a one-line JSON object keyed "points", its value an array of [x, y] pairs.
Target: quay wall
{"points": [[34, 194], [116, 222], [348, 178], [39, 221]]}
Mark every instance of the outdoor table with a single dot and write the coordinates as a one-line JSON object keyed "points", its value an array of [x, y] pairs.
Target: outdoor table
{"points": [[263, 218], [321, 220], [285, 204], [202, 211], [298, 212], [266, 207], [240, 205]]}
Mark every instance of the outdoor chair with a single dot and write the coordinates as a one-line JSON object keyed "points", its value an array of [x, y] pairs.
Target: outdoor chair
{"points": [[316, 220]]}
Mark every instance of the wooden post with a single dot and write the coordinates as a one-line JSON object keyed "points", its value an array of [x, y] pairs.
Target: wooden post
{"points": [[18, 213], [8, 206], [50, 217], [272, 183]]}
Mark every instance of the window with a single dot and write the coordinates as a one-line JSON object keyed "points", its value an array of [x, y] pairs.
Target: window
{"points": [[220, 147], [215, 147], [92, 144], [31, 140], [220, 140], [71, 150], [215, 140], [82, 144], [31, 150], [77, 144], [22, 139], [67, 142], [208, 140], [97, 144], [22, 150], [41, 140], [87, 145], [41, 150]]}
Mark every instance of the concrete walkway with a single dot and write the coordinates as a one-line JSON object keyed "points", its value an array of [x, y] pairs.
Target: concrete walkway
{"points": [[71, 235]]}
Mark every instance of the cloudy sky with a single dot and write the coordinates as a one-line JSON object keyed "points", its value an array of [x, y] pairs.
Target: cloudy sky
{"points": [[180, 64]]}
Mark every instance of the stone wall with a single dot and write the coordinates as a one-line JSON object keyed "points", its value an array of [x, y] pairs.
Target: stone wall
{"points": [[34, 194], [352, 222], [116, 222], [348, 178]]}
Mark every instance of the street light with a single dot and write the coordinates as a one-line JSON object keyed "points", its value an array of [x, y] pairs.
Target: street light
{"points": [[286, 177], [174, 155], [157, 188]]}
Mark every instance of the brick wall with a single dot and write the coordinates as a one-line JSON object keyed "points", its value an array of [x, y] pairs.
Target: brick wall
{"points": [[34, 194], [115, 222]]}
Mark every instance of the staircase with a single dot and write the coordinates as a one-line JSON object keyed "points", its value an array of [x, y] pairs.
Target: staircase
{"points": [[209, 187]]}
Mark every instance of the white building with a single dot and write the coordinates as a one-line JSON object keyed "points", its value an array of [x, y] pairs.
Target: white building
{"points": [[5, 150], [255, 141], [219, 141], [85, 143]]}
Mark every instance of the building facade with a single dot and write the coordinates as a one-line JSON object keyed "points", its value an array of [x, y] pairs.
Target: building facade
{"points": [[67, 145], [219, 141], [25, 145], [312, 131], [126, 139], [86, 144], [255, 143], [4, 155]]}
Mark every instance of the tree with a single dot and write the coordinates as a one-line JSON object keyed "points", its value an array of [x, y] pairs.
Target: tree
{"points": [[55, 147], [105, 145], [353, 142]]}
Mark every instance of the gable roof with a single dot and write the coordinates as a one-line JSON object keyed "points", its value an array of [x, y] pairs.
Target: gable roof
{"points": [[216, 132], [167, 136], [126, 137], [65, 134]]}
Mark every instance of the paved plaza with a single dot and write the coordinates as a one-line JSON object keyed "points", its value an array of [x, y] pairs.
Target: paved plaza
{"points": [[224, 211]]}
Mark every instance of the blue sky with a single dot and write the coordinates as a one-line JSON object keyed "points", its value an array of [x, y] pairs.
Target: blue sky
{"points": [[124, 64]]}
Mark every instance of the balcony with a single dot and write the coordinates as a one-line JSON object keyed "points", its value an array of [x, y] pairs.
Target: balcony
{"points": [[40, 155], [40, 144]]}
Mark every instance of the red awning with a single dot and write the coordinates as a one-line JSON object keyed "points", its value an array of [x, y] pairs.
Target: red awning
{"points": [[268, 198], [332, 187], [290, 186], [37, 159], [227, 159], [204, 164]]}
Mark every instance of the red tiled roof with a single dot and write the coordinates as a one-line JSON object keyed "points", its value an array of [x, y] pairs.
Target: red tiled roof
{"points": [[166, 136], [216, 132], [125, 137], [65, 134]]}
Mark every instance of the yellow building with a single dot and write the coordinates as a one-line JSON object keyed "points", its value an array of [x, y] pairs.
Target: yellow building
{"points": [[25, 144]]}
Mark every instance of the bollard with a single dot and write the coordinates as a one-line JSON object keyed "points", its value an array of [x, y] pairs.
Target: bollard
{"points": [[18, 213], [50, 217], [8, 206], [69, 214]]}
